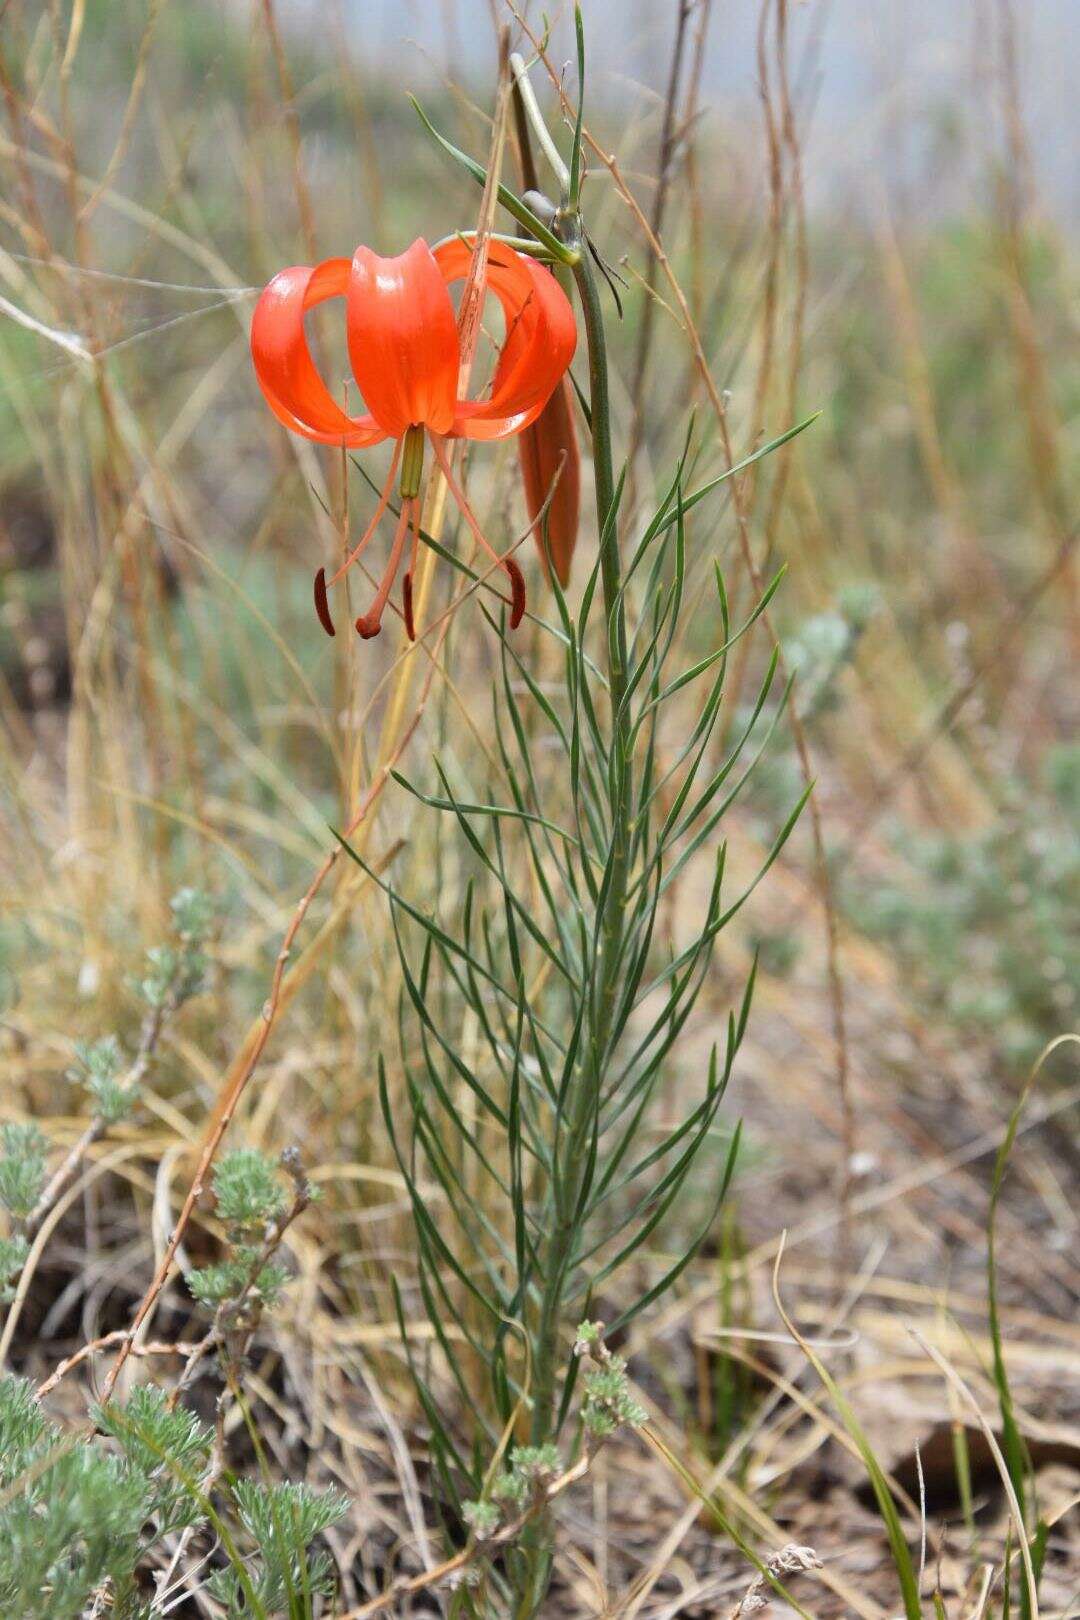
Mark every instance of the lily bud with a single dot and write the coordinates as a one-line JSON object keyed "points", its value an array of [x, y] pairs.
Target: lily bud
{"points": [[545, 447], [543, 207]]}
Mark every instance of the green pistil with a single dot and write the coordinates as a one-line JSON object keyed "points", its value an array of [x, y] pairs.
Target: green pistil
{"points": [[412, 462]]}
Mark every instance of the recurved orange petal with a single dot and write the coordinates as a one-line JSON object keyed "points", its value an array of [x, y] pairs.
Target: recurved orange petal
{"points": [[541, 336], [403, 339], [284, 368]]}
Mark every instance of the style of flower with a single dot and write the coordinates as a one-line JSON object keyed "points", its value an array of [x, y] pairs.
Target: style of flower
{"points": [[405, 355]]}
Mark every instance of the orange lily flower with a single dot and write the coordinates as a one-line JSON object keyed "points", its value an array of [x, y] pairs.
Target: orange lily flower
{"points": [[405, 356]]}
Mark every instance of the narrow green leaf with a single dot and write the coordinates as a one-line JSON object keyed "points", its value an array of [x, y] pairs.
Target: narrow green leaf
{"points": [[459, 808], [509, 201], [675, 1272], [747, 461], [576, 166]]}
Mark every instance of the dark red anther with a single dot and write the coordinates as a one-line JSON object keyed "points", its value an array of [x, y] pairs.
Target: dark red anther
{"points": [[517, 592], [406, 592], [322, 606]]}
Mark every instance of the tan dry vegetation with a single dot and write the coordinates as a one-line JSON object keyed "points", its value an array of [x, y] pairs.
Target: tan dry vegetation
{"points": [[171, 715]]}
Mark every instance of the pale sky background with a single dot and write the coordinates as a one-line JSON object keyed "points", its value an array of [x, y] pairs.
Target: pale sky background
{"points": [[887, 68]]}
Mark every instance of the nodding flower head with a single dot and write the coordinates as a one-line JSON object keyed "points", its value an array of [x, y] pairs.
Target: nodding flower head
{"points": [[405, 355]]}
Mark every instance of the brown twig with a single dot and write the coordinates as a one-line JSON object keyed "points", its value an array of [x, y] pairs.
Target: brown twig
{"points": [[292, 124], [154, 1348], [665, 170], [790, 138], [689, 146], [1016, 191], [194, 1352]]}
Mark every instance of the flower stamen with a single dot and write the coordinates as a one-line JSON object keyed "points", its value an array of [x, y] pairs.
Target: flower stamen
{"points": [[322, 606], [370, 623], [407, 583], [513, 572], [383, 502]]}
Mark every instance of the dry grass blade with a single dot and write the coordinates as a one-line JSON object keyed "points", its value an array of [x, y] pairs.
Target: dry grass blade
{"points": [[962, 1389]]}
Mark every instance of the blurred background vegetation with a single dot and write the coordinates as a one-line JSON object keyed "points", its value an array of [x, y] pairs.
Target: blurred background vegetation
{"points": [[877, 224]]}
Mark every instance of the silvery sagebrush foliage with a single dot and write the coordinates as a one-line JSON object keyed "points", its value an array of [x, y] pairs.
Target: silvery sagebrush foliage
{"points": [[281, 1521], [250, 1198], [100, 1066], [175, 972], [77, 1517], [23, 1157], [80, 1516], [987, 920]]}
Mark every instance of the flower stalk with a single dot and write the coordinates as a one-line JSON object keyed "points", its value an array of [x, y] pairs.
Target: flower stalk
{"points": [[572, 1167], [590, 1081]]}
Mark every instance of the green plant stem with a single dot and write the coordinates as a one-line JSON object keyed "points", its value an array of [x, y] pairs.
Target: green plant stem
{"points": [[614, 911], [571, 1163], [585, 1093], [604, 474]]}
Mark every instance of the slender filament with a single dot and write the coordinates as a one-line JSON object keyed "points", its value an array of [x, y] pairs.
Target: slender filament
{"points": [[370, 623], [384, 499], [513, 572], [407, 583]]}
